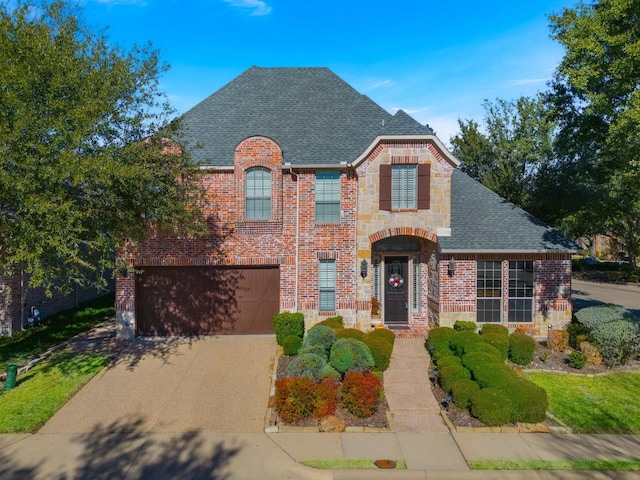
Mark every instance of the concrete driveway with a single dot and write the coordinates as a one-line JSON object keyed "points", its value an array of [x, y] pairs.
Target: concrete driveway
{"points": [[210, 384]]}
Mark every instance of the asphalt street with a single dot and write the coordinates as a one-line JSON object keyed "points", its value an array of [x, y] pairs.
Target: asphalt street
{"points": [[587, 294]]}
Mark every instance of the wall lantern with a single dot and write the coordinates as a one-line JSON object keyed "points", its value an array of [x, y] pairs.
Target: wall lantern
{"points": [[364, 267], [452, 266]]}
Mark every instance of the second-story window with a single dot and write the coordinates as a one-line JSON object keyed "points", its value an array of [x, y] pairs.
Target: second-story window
{"points": [[327, 197], [258, 194], [405, 187]]}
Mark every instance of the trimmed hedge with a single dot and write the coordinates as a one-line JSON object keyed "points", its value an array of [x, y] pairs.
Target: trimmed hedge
{"points": [[448, 360], [291, 344], [383, 333], [473, 360], [380, 351], [307, 365], [494, 328], [461, 342], [521, 348], [491, 406], [332, 322], [483, 347], [440, 337], [440, 352], [350, 333], [462, 325], [451, 374], [529, 401], [287, 323], [350, 354], [499, 341], [494, 375], [462, 391]]}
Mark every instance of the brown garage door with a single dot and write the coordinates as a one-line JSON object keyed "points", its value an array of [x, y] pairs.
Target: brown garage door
{"points": [[206, 300]]}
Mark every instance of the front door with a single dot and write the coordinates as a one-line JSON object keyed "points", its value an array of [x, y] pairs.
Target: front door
{"points": [[396, 297]]}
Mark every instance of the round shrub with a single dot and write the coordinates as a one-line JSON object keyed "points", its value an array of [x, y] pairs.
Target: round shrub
{"points": [[440, 337], [491, 406], [361, 393], [440, 352], [451, 374], [529, 401], [483, 347], [460, 343], [462, 325], [494, 328], [316, 349], [332, 322], [473, 360], [383, 333], [494, 375], [331, 373], [350, 333], [499, 341], [287, 323], [521, 348], [320, 335], [576, 359], [307, 365], [448, 360], [350, 354], [380, 351], [461, 392], [291, 344]]}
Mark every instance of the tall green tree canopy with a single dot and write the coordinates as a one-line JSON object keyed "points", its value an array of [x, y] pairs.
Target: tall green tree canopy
{"points": [[508, 151], [84, 163], [595, 96]]}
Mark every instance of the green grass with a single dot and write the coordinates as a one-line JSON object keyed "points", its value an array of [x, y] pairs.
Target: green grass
{"points": [[605, 404], [41, 392], [26, 344], [590, 465], [347, 464]]}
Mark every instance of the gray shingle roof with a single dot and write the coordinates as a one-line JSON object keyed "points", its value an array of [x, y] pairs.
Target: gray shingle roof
{"points": [[314, 115], [483, 221]]}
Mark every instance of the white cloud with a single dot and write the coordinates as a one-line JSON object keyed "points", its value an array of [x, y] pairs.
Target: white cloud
{"points": [[257, 7], [527, 81]]}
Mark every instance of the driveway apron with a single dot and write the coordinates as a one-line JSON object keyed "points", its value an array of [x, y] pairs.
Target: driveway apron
{"points": [[210, 384]]}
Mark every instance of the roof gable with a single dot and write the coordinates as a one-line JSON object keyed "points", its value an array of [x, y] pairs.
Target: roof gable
{"points": [[313, 115]]}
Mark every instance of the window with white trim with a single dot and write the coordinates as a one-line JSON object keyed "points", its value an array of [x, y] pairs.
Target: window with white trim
{"points": [[521, 291], [258, 194], [404, 187], [327, 285], [489, 291], [327, 197]]}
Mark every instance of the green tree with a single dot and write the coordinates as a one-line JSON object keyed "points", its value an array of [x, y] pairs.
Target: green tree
{"points": [[85, 164], [595, 95], [514, 148]]}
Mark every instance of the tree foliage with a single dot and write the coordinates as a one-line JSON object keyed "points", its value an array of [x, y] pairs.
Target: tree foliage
{"points": [[85, 163], [508, 151], [595, 95]]}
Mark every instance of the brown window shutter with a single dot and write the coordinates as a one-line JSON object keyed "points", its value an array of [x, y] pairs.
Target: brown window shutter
{"points": [[385, 187], [424, 186]]}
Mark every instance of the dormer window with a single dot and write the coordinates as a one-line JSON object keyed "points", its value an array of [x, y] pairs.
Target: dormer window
{"points": [[258, 194]]}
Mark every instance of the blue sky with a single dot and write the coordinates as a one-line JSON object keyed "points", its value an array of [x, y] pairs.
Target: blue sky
{"points": [[438, 61]]}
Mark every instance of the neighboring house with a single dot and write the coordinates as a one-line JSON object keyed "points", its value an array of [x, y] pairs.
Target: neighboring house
{"points": [[319, 201], [22, 306]]}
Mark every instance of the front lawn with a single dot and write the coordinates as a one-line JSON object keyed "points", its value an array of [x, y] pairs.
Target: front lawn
{"points": [[603, 404], [41, 392]]}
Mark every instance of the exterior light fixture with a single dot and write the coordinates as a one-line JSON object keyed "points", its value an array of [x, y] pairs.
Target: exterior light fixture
{"points": [[364, 267], [452, 266]]}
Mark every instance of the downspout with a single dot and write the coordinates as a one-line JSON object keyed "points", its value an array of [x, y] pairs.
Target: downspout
{"points": [[295, 300]]}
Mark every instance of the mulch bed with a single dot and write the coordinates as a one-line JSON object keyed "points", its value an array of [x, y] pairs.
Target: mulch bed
{"points": [[377, 420]]}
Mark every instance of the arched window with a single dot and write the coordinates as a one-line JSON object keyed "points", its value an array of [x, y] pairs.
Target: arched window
{"points": [[258, 194]]}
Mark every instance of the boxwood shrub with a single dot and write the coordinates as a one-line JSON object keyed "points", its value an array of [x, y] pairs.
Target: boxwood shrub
{"points": [[529, 401], [462, 325], [383, 333], [483, 347], [494, 375], [499, 341], [460, 343], [380, 351], [291, 344], [440, 352], [350, 354], [491, 406], [462, 391], [287, 323], [521, 348], [440, 337], [332, 322], [473, 360], [350, 333], [494, 328], [448, 360], [451, 374]]}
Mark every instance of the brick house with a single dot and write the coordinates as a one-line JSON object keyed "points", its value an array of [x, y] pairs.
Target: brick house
{"points": [[321, 202]]}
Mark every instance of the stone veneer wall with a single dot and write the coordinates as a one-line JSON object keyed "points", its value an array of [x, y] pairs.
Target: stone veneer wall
{"points": [[374, 224], [552, 290]]}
